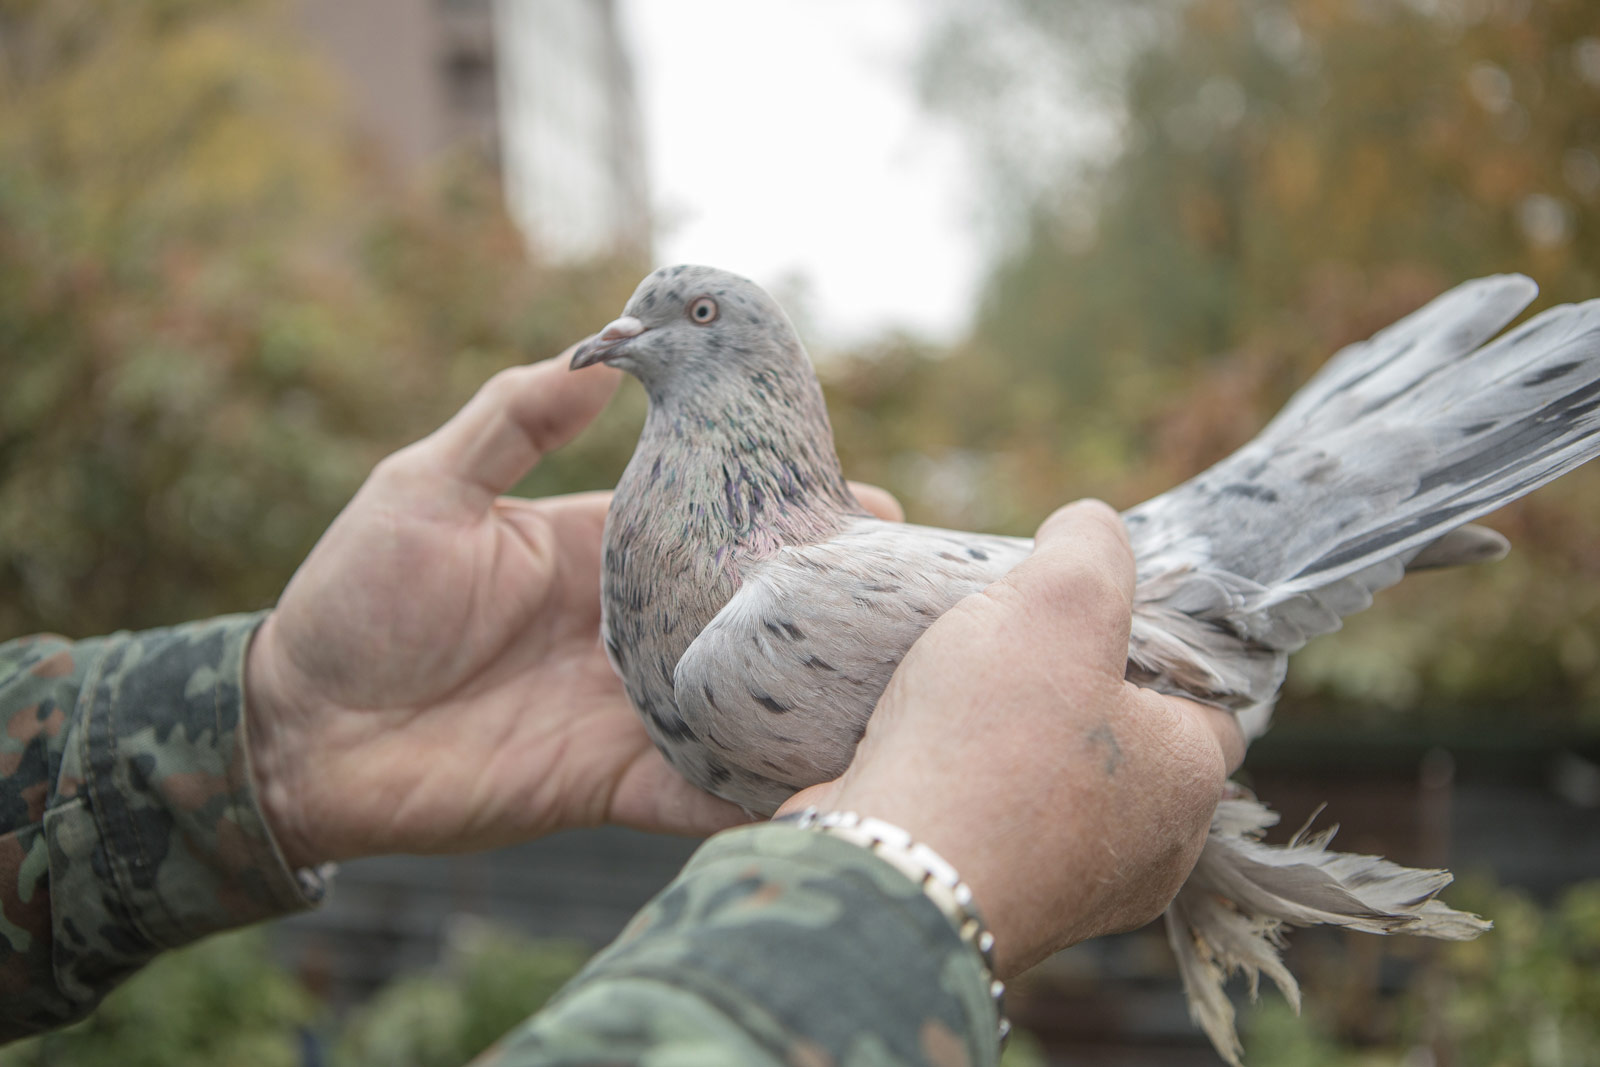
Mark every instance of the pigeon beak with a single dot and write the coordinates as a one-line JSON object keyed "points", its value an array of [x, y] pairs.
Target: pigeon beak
{"points": [[607, 343]]}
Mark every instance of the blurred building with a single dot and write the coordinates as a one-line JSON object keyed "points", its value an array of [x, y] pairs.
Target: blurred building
{"points": [[420, 73], [543, 88], [572, 145]]}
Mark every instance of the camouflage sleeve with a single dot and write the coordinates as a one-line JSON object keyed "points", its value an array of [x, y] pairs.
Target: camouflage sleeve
{"points": [[775, 946], [128, 824]]}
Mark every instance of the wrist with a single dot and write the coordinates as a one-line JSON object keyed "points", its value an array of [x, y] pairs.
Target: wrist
{"points": [[274, 754], [939, 882], [983, 850], [934, 875]]}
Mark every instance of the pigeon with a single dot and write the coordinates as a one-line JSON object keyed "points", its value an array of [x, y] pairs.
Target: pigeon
{"points": [[755, 611]]}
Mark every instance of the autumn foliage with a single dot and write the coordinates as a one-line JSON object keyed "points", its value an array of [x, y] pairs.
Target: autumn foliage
{"points": [[1282, 179], [217, 311]]}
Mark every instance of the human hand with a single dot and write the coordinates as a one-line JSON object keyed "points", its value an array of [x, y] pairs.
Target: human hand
{"points": [[1073, 802], [432, 679]]}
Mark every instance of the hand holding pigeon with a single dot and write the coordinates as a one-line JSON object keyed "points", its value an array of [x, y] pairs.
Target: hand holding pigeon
{"points": [[437, 615], [1111, 762]]}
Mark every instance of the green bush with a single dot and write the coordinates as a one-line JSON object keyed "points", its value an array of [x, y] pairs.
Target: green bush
{"points": [[1526, 994], [493, 981], [226, 1003]]}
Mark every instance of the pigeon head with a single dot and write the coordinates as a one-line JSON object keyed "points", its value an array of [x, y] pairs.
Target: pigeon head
{"points": [[687, 328]]}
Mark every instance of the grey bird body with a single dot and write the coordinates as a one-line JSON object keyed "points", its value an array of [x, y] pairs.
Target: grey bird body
{"points": [[753, 610], [755, 613]]}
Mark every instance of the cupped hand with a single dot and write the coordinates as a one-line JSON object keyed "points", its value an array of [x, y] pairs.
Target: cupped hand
{"points": [[1072, 801], [432, 679]]}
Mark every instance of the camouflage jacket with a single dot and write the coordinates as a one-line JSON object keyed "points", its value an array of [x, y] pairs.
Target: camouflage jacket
{"points": [[129, 825]]}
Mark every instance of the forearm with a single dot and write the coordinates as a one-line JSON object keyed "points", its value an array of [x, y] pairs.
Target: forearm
{"points": [[128, 824], [775, 945]]}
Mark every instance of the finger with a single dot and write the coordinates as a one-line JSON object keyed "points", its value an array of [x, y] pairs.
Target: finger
{"points": [[571, 527], [1091, 520], [1080, 542], [1075, 590], [880, 502], [513, 421], [585, 511], [652, 796], [1230, 738], [817, 796]]}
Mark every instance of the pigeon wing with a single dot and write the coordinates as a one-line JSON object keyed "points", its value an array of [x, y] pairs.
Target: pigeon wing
{"points": [[1373, 467], [784, 677]]}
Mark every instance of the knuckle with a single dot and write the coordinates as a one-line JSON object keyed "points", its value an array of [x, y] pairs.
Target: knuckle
{"points": [[1089, 591], [1146, 898], [396, 466], [1006, 594], [502, 386], [543, 426], [511, 392], [1201, 773]]}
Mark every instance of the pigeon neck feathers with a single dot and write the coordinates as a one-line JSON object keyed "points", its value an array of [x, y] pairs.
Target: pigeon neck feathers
{"points": [[741, 458], [727, 472]]}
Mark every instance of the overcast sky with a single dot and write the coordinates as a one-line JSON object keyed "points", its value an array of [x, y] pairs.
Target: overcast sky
{"points": [[786, 143]]}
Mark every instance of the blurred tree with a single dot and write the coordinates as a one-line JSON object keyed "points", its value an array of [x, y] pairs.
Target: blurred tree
{"points": [[1278, 178], [216, 312]]}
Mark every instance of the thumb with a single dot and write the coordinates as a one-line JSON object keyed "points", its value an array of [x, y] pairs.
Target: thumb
{"points": [[1075, 590], [1089, 538], [1080, 542], [513, 420]]}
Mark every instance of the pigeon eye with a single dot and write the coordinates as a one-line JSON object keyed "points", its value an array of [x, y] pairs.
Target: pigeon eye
{"points": [[703, 311]]}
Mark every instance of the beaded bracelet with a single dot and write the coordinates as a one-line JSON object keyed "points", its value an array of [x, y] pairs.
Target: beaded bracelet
{"points": [[937, 879]]}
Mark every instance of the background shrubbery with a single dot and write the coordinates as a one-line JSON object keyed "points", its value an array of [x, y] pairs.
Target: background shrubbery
{"points": [[217, 313], [225, 1003]]}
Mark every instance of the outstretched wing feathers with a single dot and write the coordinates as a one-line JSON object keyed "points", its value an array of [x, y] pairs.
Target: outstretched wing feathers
{"points": [[1397, 443], [1394, 359]]}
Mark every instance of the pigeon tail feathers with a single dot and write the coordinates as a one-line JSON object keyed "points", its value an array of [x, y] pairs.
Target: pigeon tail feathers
{"points": [[1232, 914], [1374, 468]]}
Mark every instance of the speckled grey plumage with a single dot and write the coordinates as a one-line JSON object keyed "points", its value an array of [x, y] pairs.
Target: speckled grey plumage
{"points": [[755, 612]]}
